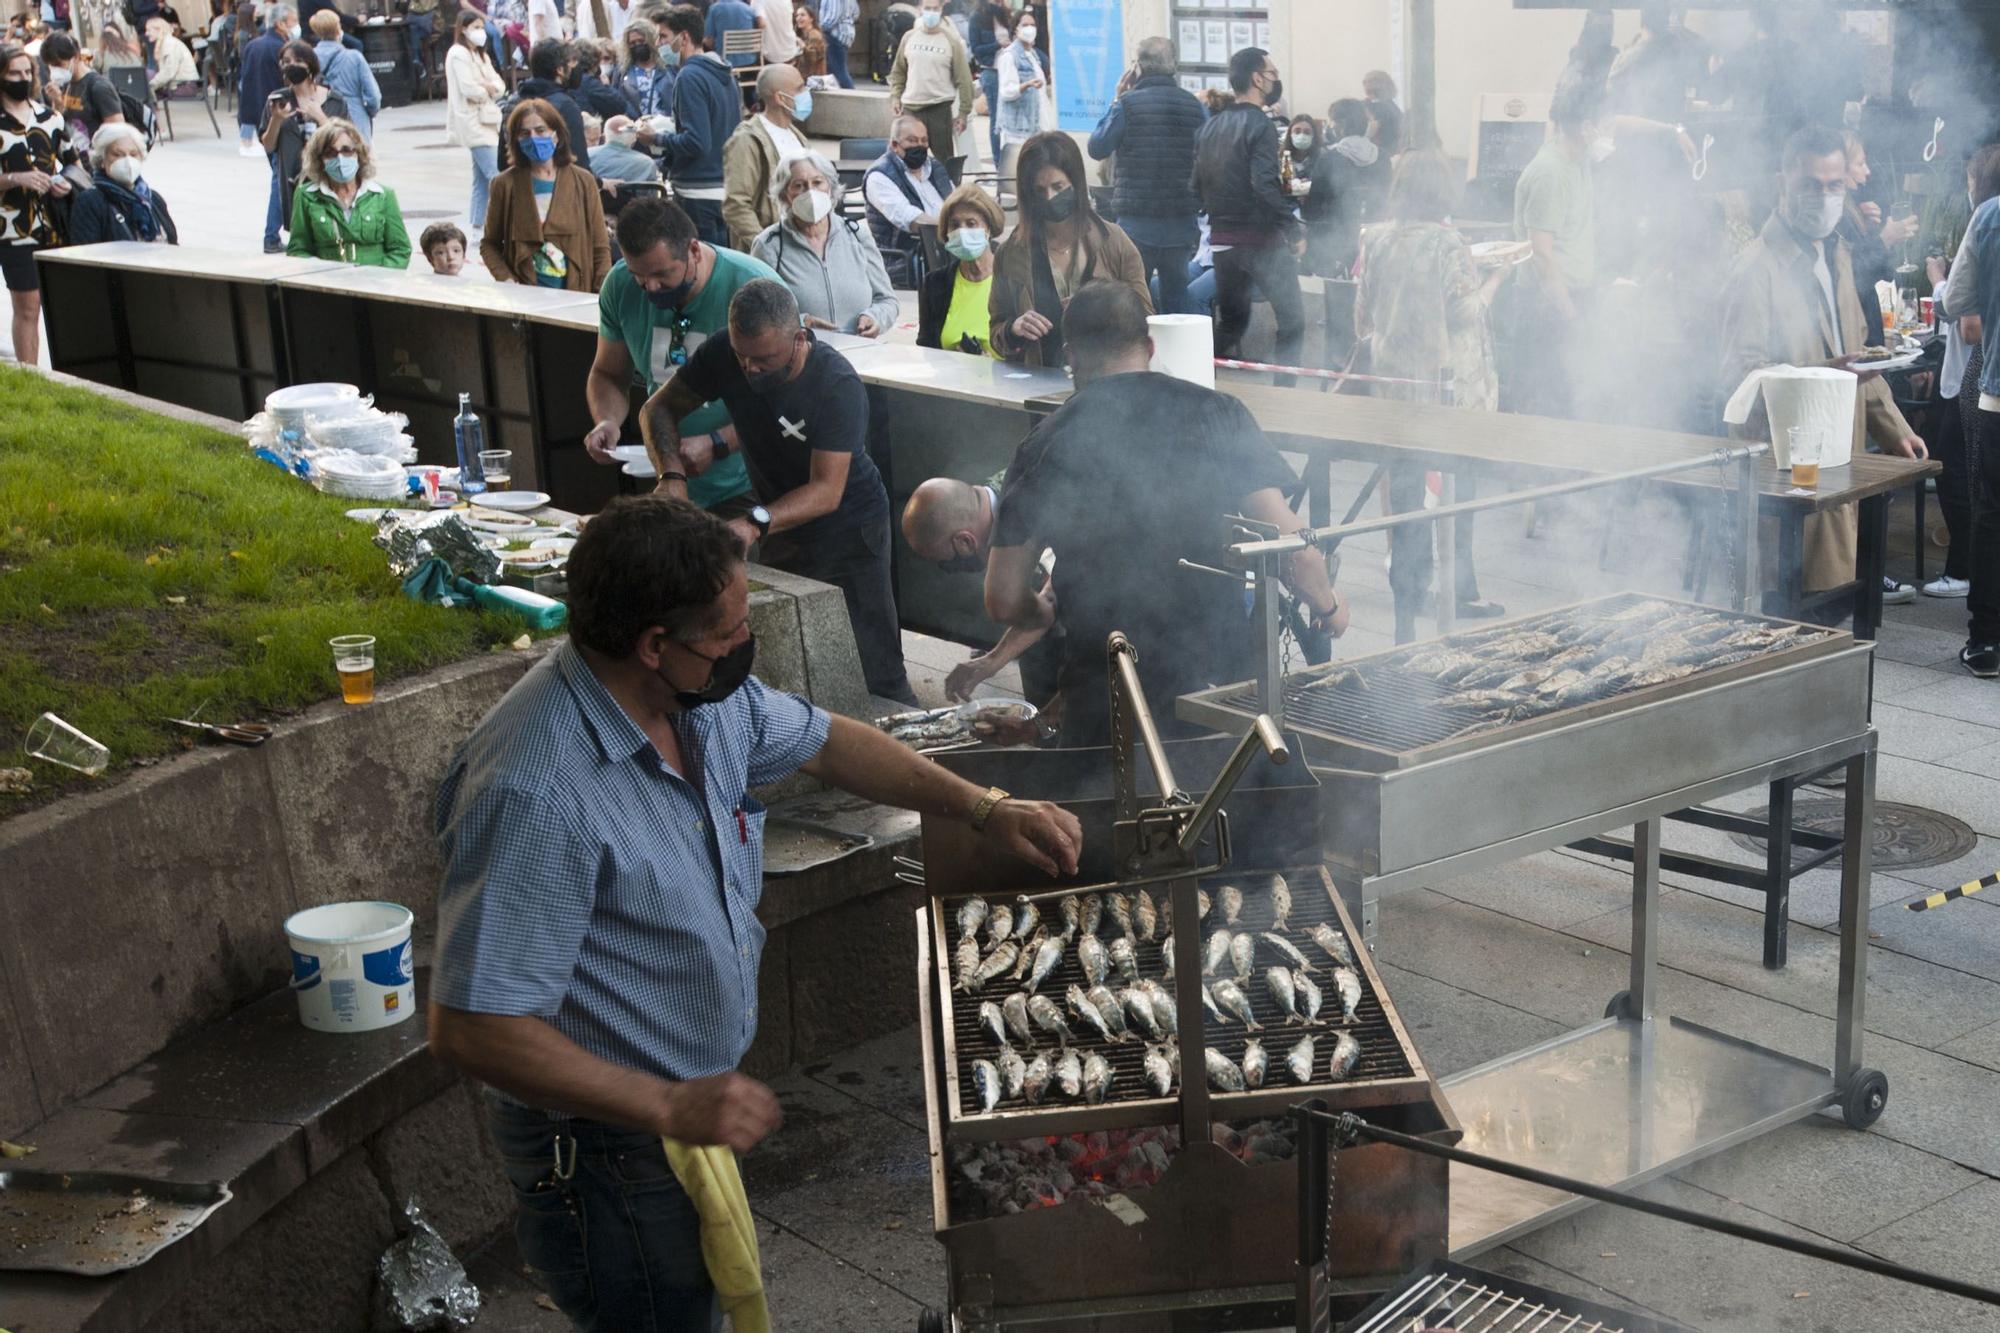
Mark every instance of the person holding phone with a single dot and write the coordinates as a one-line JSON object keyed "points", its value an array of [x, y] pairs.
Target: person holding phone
{"points": [[292, 114]]}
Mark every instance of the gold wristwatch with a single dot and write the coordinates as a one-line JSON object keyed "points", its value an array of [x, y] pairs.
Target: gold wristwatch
{"points": [[984, 810]]}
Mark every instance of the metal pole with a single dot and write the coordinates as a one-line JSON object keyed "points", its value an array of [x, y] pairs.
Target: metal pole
{"points": [[1445, 593], [1274, 643], [1250, 551], [1857, 843], [1423, 74], [1645, 919], [1749, 572], [1263, 734], [1124, 657]]}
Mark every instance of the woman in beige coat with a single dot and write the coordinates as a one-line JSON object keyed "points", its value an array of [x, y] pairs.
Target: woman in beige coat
{"points": [[472, 115], [547, 224]]}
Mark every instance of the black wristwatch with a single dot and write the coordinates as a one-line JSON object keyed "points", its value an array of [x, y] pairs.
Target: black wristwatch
{"points": [[761, 517]]}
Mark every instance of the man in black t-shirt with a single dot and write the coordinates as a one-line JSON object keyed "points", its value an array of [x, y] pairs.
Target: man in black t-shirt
{"points": [[1134, 473], [84, 96], [801, 417]]}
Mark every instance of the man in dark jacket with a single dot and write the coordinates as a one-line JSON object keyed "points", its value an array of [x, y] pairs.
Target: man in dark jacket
{"points": [[260, 70], [549, 66], [1252, 228], [707, 109], [1152, 127]]}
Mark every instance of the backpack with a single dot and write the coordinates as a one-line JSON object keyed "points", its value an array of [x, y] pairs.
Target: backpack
{"points": [[140, 117]]}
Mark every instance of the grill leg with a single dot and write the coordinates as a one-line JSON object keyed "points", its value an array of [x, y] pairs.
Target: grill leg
{"points": [[1778, 875], [1645, 919], [1445, 585], [1854, 871]]}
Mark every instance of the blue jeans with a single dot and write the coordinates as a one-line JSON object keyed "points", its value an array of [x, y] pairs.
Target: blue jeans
{"points": [[418, 27], [1167, 270], [1197, 291], [606, 1226], [836, 61], [485, 161], [706, 214], [989, 86], [274, 212]]}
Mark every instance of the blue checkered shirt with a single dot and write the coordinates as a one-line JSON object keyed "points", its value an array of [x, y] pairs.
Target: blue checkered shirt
{"points": [[587, 883]]}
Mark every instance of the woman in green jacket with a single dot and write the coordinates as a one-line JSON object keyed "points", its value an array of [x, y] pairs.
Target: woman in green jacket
{"points": [[340, 212]]}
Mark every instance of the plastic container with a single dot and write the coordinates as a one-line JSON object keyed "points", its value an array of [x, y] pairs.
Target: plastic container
{"points": [[352, 968]]}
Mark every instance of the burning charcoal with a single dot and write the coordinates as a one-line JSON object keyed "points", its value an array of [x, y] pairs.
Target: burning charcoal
{"points": [[1155, 1155]]}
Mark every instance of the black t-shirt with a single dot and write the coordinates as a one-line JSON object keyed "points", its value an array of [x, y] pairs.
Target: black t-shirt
{"points": [[1132, 474], [91, 99], [292, 136], [825, 409]]}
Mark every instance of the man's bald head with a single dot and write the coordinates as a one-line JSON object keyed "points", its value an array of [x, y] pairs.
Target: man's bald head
{"points": [[776, 79], [947, 520]]}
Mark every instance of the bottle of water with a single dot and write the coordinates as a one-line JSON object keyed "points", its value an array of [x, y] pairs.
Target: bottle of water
{"points": [[469, 432]]}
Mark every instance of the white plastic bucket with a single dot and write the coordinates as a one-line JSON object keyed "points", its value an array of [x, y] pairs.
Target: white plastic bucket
{"points": [[351, 966]]}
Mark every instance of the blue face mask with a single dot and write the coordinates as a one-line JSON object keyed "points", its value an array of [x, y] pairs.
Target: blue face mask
{"points": [[538, 147], [802, 104], [967, 243], [670, 57], [342, 169]]}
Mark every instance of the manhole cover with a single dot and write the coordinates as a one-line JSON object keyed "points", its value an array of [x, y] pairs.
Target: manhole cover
{"points": [[1906, 836], [432, 213]]}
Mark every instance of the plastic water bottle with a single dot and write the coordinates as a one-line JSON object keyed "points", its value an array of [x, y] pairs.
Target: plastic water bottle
{"points": [[469, 432]]}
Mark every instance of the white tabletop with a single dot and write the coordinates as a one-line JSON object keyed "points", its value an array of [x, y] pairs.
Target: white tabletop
{"points": [[980, 379], [186, 260], [467, 294]]}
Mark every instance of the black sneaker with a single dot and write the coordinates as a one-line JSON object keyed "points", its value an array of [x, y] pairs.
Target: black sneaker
{"points": [[1896, 594], [1480, 610], [1981, 659], [274, 247]]}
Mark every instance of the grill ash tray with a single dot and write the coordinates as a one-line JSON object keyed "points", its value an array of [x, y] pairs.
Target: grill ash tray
{"points": [[1388, 1070], [1451, 1296], [94, 1223]]}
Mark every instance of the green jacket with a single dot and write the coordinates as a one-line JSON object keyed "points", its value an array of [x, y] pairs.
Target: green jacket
{"points": [[372, 234]]}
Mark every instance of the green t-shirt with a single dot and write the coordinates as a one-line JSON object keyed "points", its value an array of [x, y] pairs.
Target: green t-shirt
{"points": [[624, 313], [1554, 195]]}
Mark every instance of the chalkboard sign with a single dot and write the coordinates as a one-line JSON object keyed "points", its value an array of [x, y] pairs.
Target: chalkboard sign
{"points": [[1507, 146]]}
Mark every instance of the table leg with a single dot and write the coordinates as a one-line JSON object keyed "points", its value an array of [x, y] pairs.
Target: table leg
{"points": [[1871, 563], [1778, 875], [1854, 874], [1444, 584], [1645, 919], [1791, 565]]}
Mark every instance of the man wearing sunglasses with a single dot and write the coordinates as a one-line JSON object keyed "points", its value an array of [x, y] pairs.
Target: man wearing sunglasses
{"points": [[664, 299]]}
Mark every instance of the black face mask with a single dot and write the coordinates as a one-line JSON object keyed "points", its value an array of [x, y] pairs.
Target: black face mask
{"points": [[726, 675], [673, 298], [1277, 92], [641, 52], [1059, 206], [774, 379], [17, 90], [297, 74], [914, 158]]}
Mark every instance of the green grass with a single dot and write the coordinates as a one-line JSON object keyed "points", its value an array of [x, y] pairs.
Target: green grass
{"points": [[149, 567]]}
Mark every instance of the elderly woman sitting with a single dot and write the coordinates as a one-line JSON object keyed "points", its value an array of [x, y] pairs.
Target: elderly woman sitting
{"points": [[831, 263], [340, 211], [123, 207]]}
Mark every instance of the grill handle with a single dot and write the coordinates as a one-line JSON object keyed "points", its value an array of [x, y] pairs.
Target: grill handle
{"points": [[1263, 735], [1130, 713]]}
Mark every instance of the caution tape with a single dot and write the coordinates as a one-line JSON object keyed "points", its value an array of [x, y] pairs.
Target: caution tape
{"points": [[1962, 891], [1314, 372]]}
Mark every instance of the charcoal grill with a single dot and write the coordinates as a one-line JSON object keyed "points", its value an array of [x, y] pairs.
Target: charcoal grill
{"points": [[1213, 1233], [1466, 1300], [1412, 797]]}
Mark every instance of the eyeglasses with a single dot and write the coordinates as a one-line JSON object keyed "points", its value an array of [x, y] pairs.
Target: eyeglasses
{"points": [[342, 152]]}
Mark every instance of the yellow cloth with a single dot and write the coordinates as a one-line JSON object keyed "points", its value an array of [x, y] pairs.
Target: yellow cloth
{"points": [[728, 1232], [969, 313]]}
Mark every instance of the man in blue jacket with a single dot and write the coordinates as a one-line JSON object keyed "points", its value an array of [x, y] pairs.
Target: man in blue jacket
{"points": [[550, 64], [1152, 128], [707, 109], [260, 75]]}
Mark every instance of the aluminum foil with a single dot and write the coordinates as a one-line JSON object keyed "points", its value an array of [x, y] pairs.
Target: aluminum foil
{"points": [[411, 540], [419, 1283]]}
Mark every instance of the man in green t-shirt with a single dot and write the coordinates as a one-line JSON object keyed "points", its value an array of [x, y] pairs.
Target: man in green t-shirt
{"points": [[661, 301]]}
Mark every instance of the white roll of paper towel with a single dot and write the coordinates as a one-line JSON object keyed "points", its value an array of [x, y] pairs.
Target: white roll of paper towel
{"points": [[1184, 347], [1819, 397]]}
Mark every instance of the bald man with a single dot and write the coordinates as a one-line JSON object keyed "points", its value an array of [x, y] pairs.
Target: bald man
{"points": [[753, 152], [949, 523]]}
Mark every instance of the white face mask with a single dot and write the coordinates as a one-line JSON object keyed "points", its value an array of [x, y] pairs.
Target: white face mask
{"points": [[1817, 219], [477, 36], [605, 71], [124, 170], [812, 206], [931, 18], [1601, 147], [60, 76]]}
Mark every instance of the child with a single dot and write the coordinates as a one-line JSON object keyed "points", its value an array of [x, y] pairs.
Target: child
{"points": [[444, 245]]}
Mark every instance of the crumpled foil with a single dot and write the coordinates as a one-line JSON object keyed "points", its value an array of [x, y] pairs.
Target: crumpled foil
{"points": [[412, 540], [419, 1283]]}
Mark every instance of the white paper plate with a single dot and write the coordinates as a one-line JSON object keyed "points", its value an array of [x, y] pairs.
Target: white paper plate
{"points": [[1902, 362], [366, 515], [512, 500], [629, 453], [639, 467], [518, 525]]}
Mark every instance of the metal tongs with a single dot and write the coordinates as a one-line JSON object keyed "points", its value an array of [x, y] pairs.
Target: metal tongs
{"points": [[237, 733]]}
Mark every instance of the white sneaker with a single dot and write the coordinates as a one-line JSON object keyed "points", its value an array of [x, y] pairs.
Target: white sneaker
{"points": [[1896, 594], [248, 150], [1944, 585]]}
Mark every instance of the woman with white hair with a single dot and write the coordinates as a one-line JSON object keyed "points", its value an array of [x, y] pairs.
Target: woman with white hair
{"points": [[340, 211], [123, 207], [831, 263]]}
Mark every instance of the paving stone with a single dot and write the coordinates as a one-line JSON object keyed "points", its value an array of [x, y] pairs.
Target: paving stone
{"points": [[1938, 1103], [1548, 889], [1954, 1237], [853, 971], [1821, 1175], [1895, 681], [808, 1287], [1964, 934], [1920, 647], [1455, 1029], [1507, 1261], [1968, 796], [1985, 759], [1564, 980], [885, 1073], [1919, 733], [1709, 1281], [1908, 998], [1961, 696], [1980, 1048]]}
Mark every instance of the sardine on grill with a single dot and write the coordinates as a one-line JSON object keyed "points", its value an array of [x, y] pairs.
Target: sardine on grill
{"points": [[1162, 999], [1299, 1061], [971, 916], [965, 963], [1101, 998], [1093, 912], [1080, 1005], [1281, 902], [999, 925], [1208, 1003], [1035, 1081], [1346, 1054], [993, 1023], [996, 962], [1333, 942], [1047, 955], [1167, 956], [1120, 908], [1230, 997], [1231, 899], [1159, 1071], [1138, 1007], [1216, 952], [1255, 1063], [1145, 915], [1069, 1074], [1048, 1018], [1026, 915], [1092, 957], [1243, 955], [1308, 995], [1013, 1072], [1278, 980], [1125, 959], [1289, 950], [986, 1082], [1347, 983], [1028, 948], [1072, 915], [1201, 902], [1097, 1078], [1222, 1071]]}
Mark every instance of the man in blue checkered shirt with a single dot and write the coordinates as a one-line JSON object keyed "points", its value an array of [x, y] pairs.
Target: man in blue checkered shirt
{"points": [[598, 941]]}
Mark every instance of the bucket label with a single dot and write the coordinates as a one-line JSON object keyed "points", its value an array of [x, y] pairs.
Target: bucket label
{"points": [[305, 971], [340, 995], [389, 967]]}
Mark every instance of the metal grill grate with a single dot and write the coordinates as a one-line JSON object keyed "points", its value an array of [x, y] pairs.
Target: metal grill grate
{"points": [[1466, 1300], [1382, 1055]]}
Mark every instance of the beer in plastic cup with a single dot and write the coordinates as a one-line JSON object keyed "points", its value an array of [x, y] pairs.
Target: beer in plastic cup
{"points": [[354, 660], [497, 465], [1804, 444]]}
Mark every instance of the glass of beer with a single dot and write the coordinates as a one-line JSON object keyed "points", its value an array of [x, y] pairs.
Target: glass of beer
{"points": [[354, 660], [497, 466], [1804, 443]]}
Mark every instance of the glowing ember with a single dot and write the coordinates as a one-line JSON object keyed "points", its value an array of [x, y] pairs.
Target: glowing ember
{"points": [[999, 1179]]}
